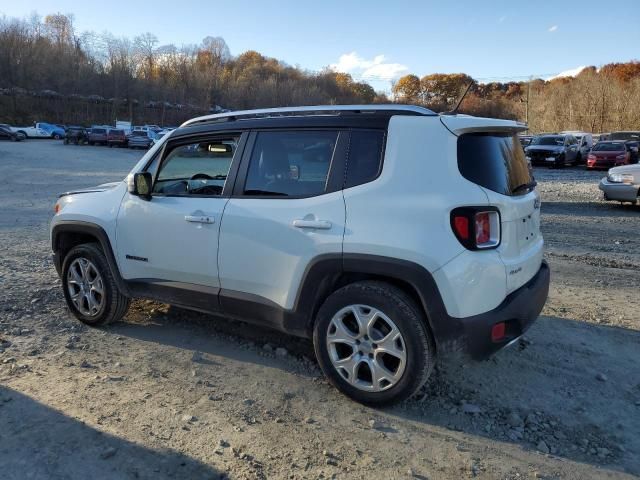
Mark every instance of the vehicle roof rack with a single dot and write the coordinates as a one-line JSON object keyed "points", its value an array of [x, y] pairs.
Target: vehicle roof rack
{"points": [[388, 109]]}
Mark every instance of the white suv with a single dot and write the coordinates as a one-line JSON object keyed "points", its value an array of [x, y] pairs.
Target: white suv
{"points": [[387, 233]]}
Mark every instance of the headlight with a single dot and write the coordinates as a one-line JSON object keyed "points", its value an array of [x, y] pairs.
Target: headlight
{"points": [[620, 178]]}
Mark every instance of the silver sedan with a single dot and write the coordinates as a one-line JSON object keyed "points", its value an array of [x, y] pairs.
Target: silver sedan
{"points": [[622, 184]]}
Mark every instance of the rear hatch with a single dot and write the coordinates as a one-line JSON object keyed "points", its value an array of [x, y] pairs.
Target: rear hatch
{"points": [[491, 156]]}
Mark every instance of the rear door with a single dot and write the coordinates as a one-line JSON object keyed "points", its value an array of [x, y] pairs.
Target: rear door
{"points": [[287, 208]]}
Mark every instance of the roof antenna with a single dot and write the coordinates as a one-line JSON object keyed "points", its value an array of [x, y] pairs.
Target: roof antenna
{"points": [[455, 110]]}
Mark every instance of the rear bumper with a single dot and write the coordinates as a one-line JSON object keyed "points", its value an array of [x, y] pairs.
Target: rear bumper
{"points": [[471, 336], [621, 192]]}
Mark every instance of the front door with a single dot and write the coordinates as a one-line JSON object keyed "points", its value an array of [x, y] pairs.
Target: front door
{"points": [[172, 239]]}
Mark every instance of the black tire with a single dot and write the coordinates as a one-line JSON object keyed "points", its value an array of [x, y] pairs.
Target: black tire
{"points": [[66, 141], [114, 305], [408, 318], [578, 160], [56, 136], [90, 143]]}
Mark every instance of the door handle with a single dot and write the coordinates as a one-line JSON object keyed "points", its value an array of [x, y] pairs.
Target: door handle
{"points": [[319, 224], [199, 219]]}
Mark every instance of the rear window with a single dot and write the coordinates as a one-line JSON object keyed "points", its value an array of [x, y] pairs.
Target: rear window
{"points": [[116, 132], [494, 161], [99, 130]]}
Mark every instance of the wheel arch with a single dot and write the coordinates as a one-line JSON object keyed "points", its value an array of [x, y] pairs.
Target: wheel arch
{"points": [[68, 234], [328, 273]]}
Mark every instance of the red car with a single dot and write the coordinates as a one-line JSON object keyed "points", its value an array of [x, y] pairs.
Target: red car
{"points": [[116, 136], [607, 155]]}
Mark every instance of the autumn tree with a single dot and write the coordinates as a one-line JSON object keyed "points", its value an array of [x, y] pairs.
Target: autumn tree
{"points": [[408, 89]]}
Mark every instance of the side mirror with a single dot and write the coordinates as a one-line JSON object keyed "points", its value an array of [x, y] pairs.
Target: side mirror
{"points": [[141, 185]]}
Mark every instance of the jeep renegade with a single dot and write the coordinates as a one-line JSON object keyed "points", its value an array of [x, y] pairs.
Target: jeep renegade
{"points": [[386, 233]]}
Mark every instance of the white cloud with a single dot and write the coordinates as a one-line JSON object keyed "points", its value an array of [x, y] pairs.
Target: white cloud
{"points": [[502, 18], [374, 69], [553, 28], [572, 72]]}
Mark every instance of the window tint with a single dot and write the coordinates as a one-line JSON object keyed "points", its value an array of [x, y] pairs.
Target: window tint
{"points": [[290, 164], [365, 156], [196, 169], [494, 161]]}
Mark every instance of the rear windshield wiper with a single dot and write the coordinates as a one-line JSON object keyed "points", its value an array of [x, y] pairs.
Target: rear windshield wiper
{"points": [[529, 186]]}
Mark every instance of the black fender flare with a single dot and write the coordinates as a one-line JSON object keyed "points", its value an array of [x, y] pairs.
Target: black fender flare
{"points": [[93, 230], [322, 272]]}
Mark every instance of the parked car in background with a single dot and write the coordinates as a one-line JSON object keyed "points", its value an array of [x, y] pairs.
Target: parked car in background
{"points": [[41, 130], [116, 137], [76, 135], [585, 143], [634, 150], [626, 136], [553, 150], [98, 135], [525, 140], [7, 134], [622, 184], [139, 139], [608, 154]]}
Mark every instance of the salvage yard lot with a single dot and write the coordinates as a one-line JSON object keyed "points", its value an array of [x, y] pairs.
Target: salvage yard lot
{"points": [[174, 394]]}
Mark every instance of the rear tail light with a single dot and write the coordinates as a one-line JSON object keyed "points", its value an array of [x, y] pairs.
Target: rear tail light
{"points": [[476, 228]]}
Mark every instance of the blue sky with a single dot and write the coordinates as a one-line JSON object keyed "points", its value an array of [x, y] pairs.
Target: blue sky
{"points": [[378, 41]]}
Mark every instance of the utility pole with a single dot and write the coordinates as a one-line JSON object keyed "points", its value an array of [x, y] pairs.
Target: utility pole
{"points": [[528, 96]]}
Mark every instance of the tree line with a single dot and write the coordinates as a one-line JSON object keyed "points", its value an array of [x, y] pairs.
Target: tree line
{"points": [[596, 100], [50, 72]]}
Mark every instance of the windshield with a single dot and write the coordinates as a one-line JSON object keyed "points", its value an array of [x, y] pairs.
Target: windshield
{"points": [[608, 147], [495, 161], [555, 140]]}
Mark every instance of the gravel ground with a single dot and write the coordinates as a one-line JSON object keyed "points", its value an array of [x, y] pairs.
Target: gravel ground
{"points": [[174, 394]]}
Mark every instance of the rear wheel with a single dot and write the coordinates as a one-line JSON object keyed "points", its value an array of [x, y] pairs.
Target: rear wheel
{"points": [[89, 287], [56, 136], [372, 343]]}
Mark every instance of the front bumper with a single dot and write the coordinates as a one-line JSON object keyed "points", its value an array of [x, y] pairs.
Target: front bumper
{"points": [[621, 192], [471, 336]]}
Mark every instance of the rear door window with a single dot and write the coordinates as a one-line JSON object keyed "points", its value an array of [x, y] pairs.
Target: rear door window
{"points": [[494, 161], [290, 163]]}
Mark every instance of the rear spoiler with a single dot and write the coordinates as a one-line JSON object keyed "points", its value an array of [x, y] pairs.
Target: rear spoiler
{"points": [[461, 124]]}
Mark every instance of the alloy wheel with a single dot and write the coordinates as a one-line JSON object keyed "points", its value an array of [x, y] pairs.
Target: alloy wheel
{"points": [[366, 348], [85, 286]]}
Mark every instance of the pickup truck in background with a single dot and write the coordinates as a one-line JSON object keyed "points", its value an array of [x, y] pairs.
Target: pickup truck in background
{"points": [[41, 130]]}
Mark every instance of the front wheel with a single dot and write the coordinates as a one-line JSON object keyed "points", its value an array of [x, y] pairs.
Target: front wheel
{"points": [[373, 344], [57, 136], [89, 288]]}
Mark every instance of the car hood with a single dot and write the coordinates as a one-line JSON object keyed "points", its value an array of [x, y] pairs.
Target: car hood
{"points": [[544, 148], [628, 169], [99, 188]]}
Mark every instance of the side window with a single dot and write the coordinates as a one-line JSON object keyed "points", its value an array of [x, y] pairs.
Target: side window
{"points": [[365, 156], [290, 164], [197, 168]]}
